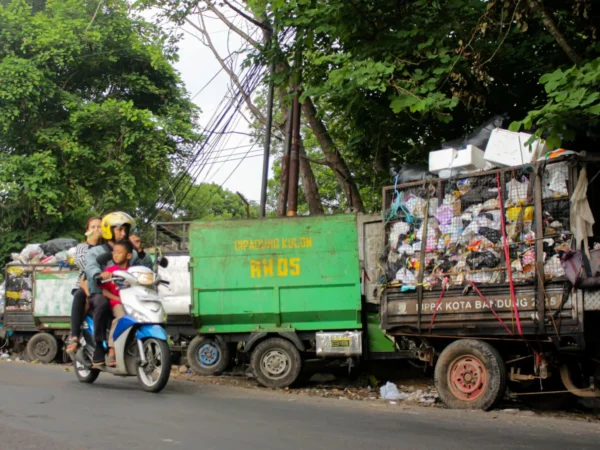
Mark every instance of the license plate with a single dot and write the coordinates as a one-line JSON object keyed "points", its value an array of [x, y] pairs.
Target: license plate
{"points": [[340, 342]]}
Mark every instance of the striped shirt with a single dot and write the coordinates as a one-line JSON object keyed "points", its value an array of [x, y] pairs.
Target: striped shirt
{"points": [[80, 253]]}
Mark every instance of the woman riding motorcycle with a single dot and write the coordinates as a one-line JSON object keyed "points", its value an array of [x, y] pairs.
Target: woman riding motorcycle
{"points": [[115, 227]]}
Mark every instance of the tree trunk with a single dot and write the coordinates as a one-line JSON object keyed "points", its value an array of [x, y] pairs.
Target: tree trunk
{"points": [[536, 6], [333, 157], [309, 182]]}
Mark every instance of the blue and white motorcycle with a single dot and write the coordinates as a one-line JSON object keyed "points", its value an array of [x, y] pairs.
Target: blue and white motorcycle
{"points": [[140, 340]]}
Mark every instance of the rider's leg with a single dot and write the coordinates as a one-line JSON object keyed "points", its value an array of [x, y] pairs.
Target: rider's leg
{"points": [[101, 316], [77, 316], [118, 311]]}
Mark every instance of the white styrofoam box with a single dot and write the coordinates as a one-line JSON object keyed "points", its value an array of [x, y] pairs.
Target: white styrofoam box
{"points": [[177, 295], [507, 148], [450, 161]]}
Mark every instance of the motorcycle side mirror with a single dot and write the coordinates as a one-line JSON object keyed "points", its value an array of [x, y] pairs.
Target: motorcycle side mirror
{"points": [[163, 262], [104, 258]]}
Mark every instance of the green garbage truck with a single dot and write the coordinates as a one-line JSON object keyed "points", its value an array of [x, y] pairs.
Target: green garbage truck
{"points": [[281, 291]]}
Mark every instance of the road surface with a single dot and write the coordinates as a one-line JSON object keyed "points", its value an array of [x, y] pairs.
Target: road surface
{"points": [[44, 407]]}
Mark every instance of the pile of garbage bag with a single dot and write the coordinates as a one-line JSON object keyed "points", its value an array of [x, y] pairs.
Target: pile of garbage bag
{"points": [[458, 224], [55, 251], [52, 256]]}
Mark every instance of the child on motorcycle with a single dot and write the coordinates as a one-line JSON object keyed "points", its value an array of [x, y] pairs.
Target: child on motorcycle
{"points": [[121, 255]]}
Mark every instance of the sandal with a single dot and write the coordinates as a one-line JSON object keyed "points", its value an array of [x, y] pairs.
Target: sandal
{"points": [[72, 346], [111, 361], [97, 365]]}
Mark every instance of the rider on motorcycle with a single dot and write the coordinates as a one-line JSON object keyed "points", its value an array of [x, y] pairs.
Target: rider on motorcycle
{"points": [[115, 227]]}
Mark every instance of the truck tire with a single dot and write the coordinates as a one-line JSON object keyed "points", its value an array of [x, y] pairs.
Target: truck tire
{"points": [[276, 363], [208, 356], [42, 347], [470, 374]]}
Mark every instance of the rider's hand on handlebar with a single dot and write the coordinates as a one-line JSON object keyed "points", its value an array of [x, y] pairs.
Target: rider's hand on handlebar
{"points": [[105, 275]]}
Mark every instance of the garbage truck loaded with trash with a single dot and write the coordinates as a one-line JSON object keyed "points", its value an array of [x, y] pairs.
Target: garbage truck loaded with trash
{"points": [[36, 299], [490, 278]]}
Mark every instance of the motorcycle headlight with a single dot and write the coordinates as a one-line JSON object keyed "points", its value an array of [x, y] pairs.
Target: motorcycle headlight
{"points": [[144, 278], [137, 315]]}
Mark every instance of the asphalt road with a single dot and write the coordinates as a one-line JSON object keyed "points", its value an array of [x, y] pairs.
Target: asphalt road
{"points": [[44, 407]]}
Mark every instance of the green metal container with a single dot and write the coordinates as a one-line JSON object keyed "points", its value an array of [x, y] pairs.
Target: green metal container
{"points": [[281, 274]]}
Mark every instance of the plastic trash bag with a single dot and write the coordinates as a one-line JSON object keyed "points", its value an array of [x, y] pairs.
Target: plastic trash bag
{"points": [[407, 277], [491, 234], [408, 173], [32, 251], [445, 214], [61, 256], [398, 229], [482, 260], [389, 391], [50, 260], [406, 249], [416, 206], [480, 136], [553, 268], [55, 246], [517, 191]]}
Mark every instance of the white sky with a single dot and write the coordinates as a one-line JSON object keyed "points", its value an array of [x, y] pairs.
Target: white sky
{"points": [[197, 66]]}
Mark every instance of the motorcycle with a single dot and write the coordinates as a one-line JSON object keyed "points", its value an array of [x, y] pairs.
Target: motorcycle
{"points": [[140, 341]]}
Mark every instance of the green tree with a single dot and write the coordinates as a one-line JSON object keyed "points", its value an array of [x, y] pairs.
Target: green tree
{"points": [[211, 201], [388, 81], [93, 117]]}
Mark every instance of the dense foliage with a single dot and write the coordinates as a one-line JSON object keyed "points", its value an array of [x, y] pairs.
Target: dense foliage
{"points": [[93, 117]]}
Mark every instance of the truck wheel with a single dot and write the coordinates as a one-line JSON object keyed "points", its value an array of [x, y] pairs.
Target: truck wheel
{"points": [[276, 363], [42, 347], [208, 356], [470, 374]]}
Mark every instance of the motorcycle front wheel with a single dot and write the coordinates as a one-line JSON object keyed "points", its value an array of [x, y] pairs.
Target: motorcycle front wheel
{"points": [[154, 375]]}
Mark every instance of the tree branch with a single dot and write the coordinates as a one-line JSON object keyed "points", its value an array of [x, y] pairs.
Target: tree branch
{"points": [[536, 6], [322, 162], [94, 16], [234, 78], [247, 17], [232, 27]]}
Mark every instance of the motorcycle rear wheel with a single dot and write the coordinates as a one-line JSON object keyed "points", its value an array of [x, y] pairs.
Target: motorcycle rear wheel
{"points": [[85, 375]]}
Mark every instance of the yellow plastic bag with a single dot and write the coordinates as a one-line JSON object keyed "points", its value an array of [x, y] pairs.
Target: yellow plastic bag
{"points": [[15, 271], [513, 213]]}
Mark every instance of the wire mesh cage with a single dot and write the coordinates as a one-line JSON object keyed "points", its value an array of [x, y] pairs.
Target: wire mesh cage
{"points": [[18, 288], [452, 232]]}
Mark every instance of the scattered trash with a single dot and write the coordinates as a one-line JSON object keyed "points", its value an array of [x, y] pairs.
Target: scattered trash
{"points": [[390, 392], [4, 356]]}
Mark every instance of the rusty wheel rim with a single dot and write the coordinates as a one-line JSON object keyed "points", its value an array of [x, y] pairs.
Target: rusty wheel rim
{"points": [[467, 378]]}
